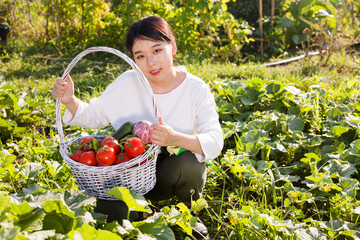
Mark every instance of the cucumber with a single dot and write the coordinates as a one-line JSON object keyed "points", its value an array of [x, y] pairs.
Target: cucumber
{"points": [[124, 130]]}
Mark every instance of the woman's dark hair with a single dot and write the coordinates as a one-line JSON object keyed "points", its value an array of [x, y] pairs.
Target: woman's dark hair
{"points": [[149, 28]]}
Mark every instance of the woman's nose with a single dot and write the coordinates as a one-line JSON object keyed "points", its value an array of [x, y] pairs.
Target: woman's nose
{"points": [[151, 60]]}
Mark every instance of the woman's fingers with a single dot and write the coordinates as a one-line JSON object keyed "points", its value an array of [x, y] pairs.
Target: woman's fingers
{"points": [[58, 88]]}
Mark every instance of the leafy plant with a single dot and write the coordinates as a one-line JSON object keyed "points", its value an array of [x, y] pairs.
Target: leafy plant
{"points": [[312, 11]]}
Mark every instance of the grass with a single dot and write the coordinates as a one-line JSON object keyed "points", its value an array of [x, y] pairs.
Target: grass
{"points": [[259, 188]]}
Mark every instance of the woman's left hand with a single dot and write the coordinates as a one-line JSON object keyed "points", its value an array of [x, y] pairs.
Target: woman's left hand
{"points": [[162, 134]]}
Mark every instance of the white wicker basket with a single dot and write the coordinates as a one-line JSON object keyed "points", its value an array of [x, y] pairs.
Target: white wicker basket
{"points": [[138, 174]]}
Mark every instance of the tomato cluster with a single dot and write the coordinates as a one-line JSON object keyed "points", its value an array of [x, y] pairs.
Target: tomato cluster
{"points": [[108, 152]]}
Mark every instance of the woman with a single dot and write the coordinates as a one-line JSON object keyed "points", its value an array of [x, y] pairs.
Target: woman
{"points": [[188, 118]]}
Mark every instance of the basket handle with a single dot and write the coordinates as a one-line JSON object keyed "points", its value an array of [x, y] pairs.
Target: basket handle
{"points": [[108, 50]]}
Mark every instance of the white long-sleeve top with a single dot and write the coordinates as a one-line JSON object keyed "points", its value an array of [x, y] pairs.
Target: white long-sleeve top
{"points": [[189, 108]]}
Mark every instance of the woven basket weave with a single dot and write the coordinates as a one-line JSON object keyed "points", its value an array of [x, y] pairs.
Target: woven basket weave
{"points": [[138, 174]]}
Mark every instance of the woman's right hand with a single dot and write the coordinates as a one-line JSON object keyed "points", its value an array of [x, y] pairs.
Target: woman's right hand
{"points": [[63, 90]]}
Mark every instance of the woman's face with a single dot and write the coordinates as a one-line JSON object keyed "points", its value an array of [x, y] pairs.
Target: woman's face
{"points": [[155, 59]]}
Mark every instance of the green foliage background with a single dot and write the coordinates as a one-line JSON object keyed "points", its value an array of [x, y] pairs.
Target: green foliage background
{"points": [[78, 24]]}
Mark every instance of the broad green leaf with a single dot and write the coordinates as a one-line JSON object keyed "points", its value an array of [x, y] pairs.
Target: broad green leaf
{"points": [[31, 221], [257, 124], [19, 131], [11, 234], [58, 206], [296, 38], [280, 147], [304, 6], [334, 114], [20, 209], [341, 169], [38, 235], [336, 225], [293, 90], [15, 102], [311, 234], [4, 205], [155, 227], [59, 222], [286, 22], [5, 100], [355, 147], [254, 136], [198, 205], [180, 215], [6, 124], [273, 88], [336, 148], [310, 157], [315, 141], [296, 124], [132, 200], [90, 233], [252, 148], [77, 201], [349, 186], [32, 170]]}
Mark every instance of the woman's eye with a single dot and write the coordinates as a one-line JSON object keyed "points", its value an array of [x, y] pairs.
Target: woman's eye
{"points": [[140, 56], [157, 50]]}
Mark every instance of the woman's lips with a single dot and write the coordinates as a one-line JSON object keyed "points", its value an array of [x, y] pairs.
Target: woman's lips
{"points": [[155, 72]]}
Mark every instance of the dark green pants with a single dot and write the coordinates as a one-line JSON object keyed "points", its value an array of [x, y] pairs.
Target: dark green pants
{"points": [[176, 176]]}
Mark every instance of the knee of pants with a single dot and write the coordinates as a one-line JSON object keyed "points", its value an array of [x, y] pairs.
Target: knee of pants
{"points": [[192, 177], [188, 163]]}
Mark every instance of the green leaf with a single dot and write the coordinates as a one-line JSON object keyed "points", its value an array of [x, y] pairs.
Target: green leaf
{"points": [[4, 205], [273, 88], [6, 124], [31, 221], [15, 102], [349, 186], [32, 170], [58, 206], [77, 201], [310, 157], [334, 114], [296, 124], [355, 148], [285, 22], [12, 233], [5, 100], [338, 130], [293, 90], [253, 136], [299, 38], [134, 201], [341, 169], [58, 222], [90, 233], [47, 234], [304, 6], [198, 205], [311, 234], [155, 227]]}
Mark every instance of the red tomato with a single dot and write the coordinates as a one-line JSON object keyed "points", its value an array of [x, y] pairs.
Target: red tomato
{"points": [[76, 155], [111, 142], [134, 147], [106, 156], [89, 143], [88, 158], [122, 157]]}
